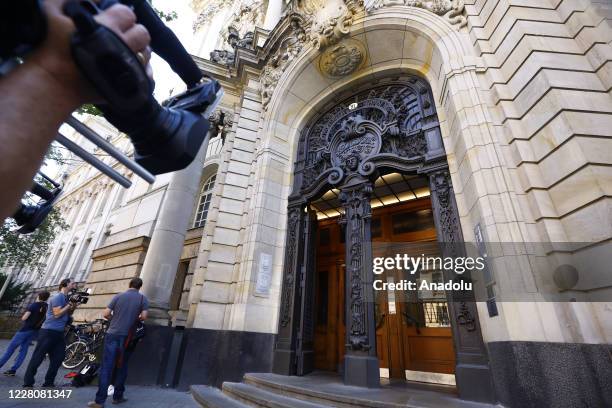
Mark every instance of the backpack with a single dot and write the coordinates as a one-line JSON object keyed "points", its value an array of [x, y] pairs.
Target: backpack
{"points": [[86, 375]]}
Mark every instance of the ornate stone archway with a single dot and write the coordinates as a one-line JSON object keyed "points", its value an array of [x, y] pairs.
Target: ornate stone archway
{"points": [[392, 126]]}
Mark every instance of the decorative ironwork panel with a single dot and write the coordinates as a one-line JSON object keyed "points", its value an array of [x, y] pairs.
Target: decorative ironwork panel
{"points": [[290, 270], [382, 123], [357, 216]]}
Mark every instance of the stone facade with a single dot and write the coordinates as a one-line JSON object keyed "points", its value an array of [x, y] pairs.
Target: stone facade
{"points": [[522, 94]]}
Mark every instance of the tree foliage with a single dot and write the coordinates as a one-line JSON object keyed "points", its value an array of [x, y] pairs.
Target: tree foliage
{"points": [[30, 251], [14, 295], [167, 17], [90, 109]]}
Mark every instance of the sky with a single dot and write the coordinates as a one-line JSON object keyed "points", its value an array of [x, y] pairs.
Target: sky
{"points": [[165, 78]]}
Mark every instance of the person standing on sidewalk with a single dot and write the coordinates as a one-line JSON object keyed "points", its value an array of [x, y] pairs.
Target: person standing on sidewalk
{"points": [[32, 319], [51, 336], [125, 310]]}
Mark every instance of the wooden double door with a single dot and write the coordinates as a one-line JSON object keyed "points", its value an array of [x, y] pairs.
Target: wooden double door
{"points": [[413, 332]]}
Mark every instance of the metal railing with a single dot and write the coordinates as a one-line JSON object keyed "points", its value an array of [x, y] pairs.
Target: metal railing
{"points": [[214, 147]]}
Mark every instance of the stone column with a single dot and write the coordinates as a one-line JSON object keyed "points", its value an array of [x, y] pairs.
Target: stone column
{"points": [[273, 14], [361, 366], [472, 372], [161, 262]]}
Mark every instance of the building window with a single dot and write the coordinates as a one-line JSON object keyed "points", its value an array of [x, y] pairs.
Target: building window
{"points": [[102, 204], [120, 195], [88, 209], [61, 272], [78, 269], [204, 202]]}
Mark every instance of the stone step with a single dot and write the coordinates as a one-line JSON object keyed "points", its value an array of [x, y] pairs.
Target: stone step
{"points": [[211, 397], [330, 391], [259, 397], [305, 394]]}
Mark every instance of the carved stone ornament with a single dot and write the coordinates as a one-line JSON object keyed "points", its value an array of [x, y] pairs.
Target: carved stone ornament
{"points": [[465, 318], [449, 223], [342, 59], [223, 57], [316, 22], [289, 49], [226, 57], [209, 12], [377, 124], [452, 10], [220, 122], [239, 32], [331, 23], [246, 18]]}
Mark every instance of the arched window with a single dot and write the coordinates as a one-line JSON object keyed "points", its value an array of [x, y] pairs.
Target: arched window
{"points": [[204, 202]]}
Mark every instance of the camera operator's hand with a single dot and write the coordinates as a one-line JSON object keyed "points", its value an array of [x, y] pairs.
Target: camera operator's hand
{"points": [[54, 56], [36, 97]]}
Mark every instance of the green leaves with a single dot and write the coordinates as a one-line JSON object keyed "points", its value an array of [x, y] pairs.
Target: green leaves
{"points": [[90, 109], [29, 251], [167, 17], [14, 294]]}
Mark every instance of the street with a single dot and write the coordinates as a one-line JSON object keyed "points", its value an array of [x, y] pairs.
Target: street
{"points": [[138, 396]]}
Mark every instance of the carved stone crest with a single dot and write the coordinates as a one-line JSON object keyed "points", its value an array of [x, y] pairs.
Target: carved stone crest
{"points": [[342, 59], [322, 24], [354, 143]]}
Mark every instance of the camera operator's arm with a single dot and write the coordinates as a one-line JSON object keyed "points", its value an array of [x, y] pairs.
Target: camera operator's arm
{"points": [[37, 96], [59, 311]]}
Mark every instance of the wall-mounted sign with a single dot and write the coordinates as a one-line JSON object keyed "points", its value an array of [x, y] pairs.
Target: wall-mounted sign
{"points": [[264, 275]]}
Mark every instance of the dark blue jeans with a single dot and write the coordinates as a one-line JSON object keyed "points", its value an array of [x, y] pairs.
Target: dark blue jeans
{"points": [[49, 342], [22, 340], [113, 349]]}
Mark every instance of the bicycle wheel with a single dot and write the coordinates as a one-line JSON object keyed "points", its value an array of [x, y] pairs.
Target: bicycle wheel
{"points": [[76, 353]]}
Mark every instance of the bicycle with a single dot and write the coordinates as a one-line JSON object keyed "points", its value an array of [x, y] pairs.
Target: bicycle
{"points": [[90, 337]]}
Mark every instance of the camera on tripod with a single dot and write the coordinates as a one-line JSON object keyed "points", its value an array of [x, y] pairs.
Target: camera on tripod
{"points": [[79, 297]]}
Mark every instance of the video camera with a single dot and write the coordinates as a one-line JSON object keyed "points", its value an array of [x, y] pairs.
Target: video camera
{"points": [[165, 137], [79, 297]]}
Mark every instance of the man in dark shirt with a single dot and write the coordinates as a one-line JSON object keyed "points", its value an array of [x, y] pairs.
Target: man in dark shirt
{"points": [[32, 319], [51, 336], [124, 310]]}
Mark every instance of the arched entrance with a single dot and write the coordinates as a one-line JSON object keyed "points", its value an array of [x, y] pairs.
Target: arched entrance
{"points": [[390, 128]]}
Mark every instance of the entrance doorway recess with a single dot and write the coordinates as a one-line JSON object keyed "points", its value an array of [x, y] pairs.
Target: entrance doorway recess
{"points": [[375, 133], [413, 332]]}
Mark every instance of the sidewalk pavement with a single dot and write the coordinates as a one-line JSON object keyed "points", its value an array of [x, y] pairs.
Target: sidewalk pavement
{"points": [[138, 396]]}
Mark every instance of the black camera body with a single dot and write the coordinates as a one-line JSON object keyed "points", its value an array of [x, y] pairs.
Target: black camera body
{"points": [[23, 27], [165, 138], [79, 297]]}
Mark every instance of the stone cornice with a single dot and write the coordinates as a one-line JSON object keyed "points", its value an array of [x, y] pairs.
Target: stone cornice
{"points": [[304, 26]]}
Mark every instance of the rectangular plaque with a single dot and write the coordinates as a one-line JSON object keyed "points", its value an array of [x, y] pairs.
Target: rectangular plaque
{"points": [[264, 275]]}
